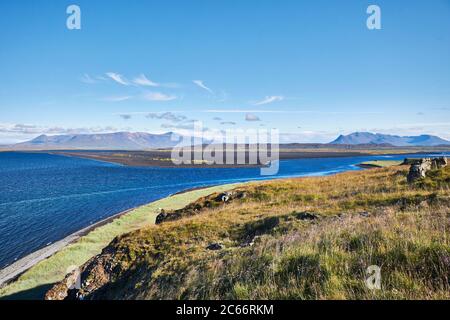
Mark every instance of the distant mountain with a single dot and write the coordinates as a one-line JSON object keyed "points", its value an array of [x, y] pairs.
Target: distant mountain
{"points": [[112, 141], [386, 139]]}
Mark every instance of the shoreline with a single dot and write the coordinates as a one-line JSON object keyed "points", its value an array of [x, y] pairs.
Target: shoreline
{"points": [[49, 264], [156, 158], [156, 162], [11, 272]]}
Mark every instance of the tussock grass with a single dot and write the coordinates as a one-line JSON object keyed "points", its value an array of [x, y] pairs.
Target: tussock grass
{"points": [[309, 238]]}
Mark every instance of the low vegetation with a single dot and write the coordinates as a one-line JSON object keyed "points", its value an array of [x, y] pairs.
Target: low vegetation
{"points": [[309, 238], [380, 163]]}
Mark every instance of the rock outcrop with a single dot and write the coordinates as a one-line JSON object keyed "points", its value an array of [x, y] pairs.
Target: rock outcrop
{"points": [[161, 216], [231, 195], [420, 167], [213, 201], [214, 246]]}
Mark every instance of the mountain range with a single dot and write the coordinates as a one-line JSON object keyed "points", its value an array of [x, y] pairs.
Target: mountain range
{"points": [[114, 141], [142, 141], [386, 139]]}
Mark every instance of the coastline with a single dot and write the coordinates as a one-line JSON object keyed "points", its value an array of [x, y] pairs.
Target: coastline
{"points": [[11, 272], [15, 272], [30, 277], [158, 158], [16, 269]]}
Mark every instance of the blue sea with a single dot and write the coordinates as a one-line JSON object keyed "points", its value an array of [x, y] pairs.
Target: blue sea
{"points": [[44, 198]]}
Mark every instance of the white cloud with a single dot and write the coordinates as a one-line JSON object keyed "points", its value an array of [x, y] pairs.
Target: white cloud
{"points": [[269, 99], [117, 78], [169, 116], [142, 80], [158, 96], [202, 85], [14, 133], [251, 117], [117, 98]]}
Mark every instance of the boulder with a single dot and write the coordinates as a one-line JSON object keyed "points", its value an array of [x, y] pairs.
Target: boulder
{"points": [[225, 196], [416, 172], [161, 217], [230, 195], [420, 167], [440, 162], [364, 214], [306, 216], [249, 242], [214, 246]]}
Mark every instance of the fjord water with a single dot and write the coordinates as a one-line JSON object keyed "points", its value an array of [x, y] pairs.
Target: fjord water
{"points": [[44, 198]]}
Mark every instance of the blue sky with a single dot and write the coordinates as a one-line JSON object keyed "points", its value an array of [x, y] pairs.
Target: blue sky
{"points": [[312, 69]]}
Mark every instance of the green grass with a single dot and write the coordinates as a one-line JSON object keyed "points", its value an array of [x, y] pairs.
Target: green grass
{"points": [[34, 282], [381, 163]]}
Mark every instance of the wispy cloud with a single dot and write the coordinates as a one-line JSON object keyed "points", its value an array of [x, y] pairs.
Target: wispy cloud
{"points": [[117, 78], [288, 111], [142, 80], [117, 98], [269, 99], [217, 119], [424, 124], [38, 129], [176, 120], [239, 111], [23, 131], [228, 123], [169, 116], [158, 96], [186, 127], [201, 84], [126, 116], [251, 117], [88, 79]]}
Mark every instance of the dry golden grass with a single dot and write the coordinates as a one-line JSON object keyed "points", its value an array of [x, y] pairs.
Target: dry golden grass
{"points": [[309, 238]]}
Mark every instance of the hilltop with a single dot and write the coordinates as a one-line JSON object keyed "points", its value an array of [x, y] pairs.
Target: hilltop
{"points": [[110, 141], [305, 238], [138, 141], [358, 138]]}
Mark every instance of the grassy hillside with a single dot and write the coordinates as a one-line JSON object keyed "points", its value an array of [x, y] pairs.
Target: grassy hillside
{"points": [[309, 238]]}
